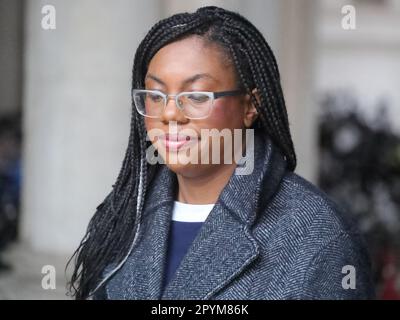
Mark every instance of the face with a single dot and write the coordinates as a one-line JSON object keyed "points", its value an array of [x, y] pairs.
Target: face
{"points": [[192, 65]]}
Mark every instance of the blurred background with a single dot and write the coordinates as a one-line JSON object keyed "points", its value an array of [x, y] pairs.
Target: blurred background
{"points": [[65, 110]]}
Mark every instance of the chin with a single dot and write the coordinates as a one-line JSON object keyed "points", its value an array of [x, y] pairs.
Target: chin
{"points": [[188, 170]]}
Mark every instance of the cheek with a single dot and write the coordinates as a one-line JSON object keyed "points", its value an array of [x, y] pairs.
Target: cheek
{"points": [[151, 124], [226, 115], [151, 128], [148, 124]]}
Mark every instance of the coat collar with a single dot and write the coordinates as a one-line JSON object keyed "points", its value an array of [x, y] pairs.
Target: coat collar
{"points": [[222, 249], [241, 195]]}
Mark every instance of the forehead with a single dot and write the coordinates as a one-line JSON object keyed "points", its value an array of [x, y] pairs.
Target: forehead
{"points": [[184, 58]]}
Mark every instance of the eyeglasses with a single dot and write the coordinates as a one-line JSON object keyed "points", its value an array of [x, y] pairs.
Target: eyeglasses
{"points": [[194, 104]]}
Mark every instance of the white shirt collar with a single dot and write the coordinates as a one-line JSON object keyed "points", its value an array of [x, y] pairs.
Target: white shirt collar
{"points": [[187, 212]]}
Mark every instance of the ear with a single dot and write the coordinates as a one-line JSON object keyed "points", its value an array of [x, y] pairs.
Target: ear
{"points": [[250, 111]]}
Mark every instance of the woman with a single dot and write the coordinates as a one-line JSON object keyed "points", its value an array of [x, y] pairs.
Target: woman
{"points": [[179, 226]]}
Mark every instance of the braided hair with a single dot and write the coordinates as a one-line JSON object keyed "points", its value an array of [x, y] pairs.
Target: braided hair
{"points": [[112, 231]]}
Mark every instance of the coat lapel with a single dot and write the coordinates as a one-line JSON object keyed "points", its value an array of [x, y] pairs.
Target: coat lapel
{"points": [[140, 277], [225, 246], [222, 249]]}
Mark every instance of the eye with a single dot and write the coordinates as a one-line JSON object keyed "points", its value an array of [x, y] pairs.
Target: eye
{"points": [[154, 97], [198, 98]]}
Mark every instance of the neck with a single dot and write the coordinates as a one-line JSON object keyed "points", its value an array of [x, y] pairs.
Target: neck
{"points": [[204, 189]]}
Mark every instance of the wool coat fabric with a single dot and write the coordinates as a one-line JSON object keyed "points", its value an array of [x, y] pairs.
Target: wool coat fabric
{"points": [[270, 235]]}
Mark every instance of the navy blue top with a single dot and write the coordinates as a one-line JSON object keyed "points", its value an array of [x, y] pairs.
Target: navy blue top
{"points": [[181, 236]]}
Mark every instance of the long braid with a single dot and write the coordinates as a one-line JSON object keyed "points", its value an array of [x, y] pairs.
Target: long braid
{"points": [[112, 231], [277, 111]]}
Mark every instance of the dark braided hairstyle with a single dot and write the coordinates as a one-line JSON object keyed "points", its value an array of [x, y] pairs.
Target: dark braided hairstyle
{"points": [[112, 230]]}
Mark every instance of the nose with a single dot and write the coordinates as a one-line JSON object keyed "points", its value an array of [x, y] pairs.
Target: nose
{"points": [[172, 112]]}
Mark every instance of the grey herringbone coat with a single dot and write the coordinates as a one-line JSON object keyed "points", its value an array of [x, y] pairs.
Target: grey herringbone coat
{"points": [[271, 235]]}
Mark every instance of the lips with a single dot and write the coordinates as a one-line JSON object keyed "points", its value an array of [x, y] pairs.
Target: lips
{"points": [[174, 142]]}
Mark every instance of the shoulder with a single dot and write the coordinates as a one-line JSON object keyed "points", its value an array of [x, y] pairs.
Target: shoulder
{"points": [[312, 240], [299, 203]]}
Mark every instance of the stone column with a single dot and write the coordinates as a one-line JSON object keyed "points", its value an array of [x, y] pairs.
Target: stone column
{"points": [[10, 55], [76, 110], [297, 64]]}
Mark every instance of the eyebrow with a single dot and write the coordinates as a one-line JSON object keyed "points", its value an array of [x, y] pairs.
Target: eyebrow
{"points": [[186, 81]]}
